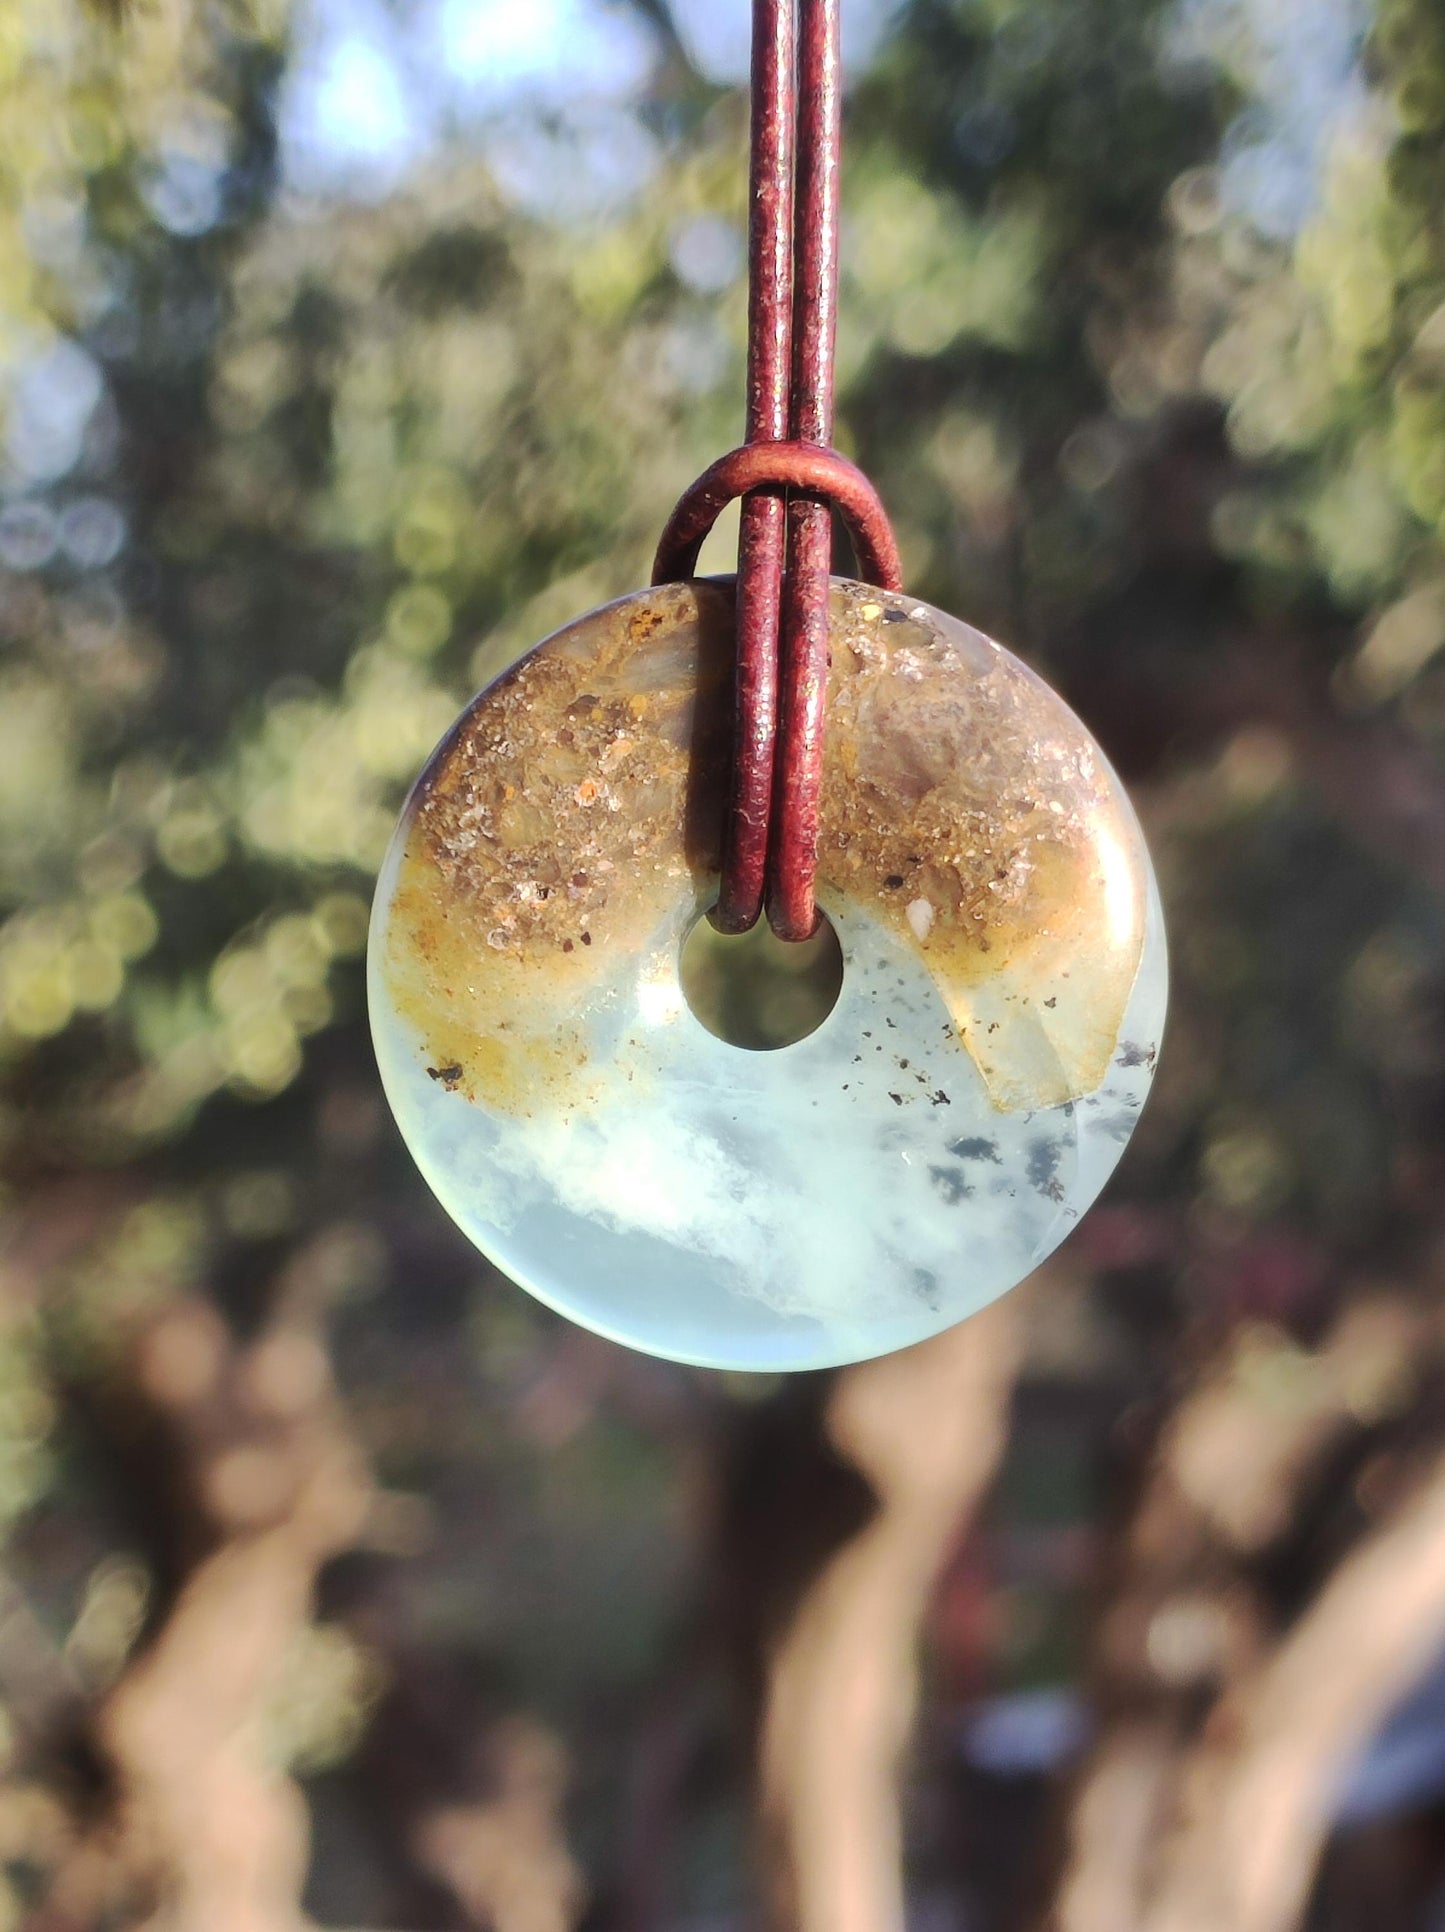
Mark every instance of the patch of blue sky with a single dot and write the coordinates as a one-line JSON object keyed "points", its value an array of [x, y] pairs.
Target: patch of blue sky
{"points": [[372, 90], [548, 90], [1300, 61], [350, 118], [550, 52]]}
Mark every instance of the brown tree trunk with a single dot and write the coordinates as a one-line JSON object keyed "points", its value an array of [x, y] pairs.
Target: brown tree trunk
{"points": [[925, 1428]]}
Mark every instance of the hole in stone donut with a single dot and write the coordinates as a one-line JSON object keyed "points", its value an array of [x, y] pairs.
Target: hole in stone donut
{"points": [[757, 991]]}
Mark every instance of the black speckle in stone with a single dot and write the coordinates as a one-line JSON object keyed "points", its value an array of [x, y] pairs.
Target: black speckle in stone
{"points": [[1043, 1169], [940, 1099], [925, 1284], [896, 1098], [893, 881], [895, 617], [976, 1150], [951, 1184], [1131, 1054]]}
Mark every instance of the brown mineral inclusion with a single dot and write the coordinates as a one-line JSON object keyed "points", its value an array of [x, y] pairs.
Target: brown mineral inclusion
{"points": [[579, 800]]}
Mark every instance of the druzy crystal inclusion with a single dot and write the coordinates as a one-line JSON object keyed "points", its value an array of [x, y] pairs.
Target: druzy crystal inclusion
{"points": [[938, 1135]]}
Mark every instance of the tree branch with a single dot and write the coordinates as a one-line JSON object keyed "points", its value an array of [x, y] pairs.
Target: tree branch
{"points": [[925, 1428]]}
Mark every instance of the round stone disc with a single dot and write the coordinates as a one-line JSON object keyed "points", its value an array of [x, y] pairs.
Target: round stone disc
{"points": [[928, 1145]]}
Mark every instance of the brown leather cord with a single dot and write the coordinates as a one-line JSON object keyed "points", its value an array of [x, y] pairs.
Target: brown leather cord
{"points": [[787, 475]]}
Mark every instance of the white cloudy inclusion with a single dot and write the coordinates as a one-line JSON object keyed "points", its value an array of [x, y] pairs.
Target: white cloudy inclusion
{"points": [[920, 1152]]}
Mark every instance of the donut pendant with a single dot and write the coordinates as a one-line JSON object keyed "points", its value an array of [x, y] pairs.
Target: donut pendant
{"points": [[922, 1150], [927, 1145]]}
